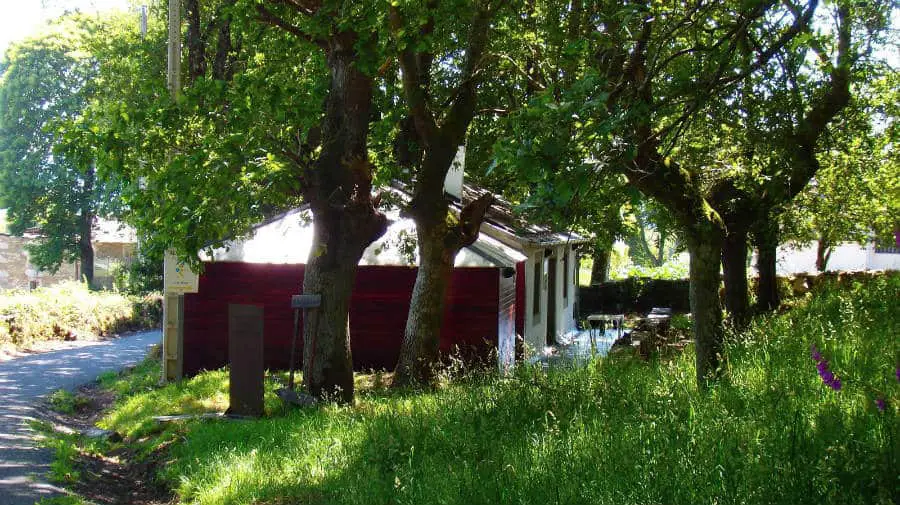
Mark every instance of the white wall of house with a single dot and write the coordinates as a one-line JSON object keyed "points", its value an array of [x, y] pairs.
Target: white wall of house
{"points": [[568, 287], [536, 323], [536, 319], [845, 257], [884, 260]]}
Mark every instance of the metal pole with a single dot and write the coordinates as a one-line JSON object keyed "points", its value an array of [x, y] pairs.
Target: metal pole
{"points": [[173, 304]]}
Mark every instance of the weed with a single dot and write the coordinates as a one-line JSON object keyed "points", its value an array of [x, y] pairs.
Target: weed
{"points": [[65, 402]]}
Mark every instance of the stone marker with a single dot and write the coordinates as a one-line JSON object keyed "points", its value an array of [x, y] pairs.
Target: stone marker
{"points": [[245, 351]]}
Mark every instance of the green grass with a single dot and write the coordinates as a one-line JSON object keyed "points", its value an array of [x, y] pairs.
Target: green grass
{"points": [[66, 402], [618, 431]]}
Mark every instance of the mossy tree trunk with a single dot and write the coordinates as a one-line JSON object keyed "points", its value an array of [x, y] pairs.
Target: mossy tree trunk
{"points": [[705, 246], [339, 190], [734, 268]]}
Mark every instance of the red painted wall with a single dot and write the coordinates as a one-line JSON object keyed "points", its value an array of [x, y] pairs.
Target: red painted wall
{"points": [[378, 312]]}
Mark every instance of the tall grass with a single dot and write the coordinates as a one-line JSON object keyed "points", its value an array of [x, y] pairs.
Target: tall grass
{"points": [[70, 310], [618, 431]]}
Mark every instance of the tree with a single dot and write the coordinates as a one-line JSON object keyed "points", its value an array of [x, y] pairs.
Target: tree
{"points": [[541, 140], [787, 113], [654, 69], [436, 131], [47, 180], [275, 111], [851, 197]]}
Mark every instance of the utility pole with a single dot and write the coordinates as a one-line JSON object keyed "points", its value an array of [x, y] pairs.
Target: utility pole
{"points": [[174, 68], [142, 10], [173, 303]]}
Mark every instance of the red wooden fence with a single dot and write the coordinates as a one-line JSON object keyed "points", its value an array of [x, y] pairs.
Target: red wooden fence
{"points": [[378, 311]]}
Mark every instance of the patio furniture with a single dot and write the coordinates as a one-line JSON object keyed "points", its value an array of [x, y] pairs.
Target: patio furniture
{"points": [[600, 321]]}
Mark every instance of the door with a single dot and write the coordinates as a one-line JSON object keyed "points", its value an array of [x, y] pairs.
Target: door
{"points": [[551, 299]]}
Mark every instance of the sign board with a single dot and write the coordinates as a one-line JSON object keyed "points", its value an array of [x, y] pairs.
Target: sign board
{"points": [[178, 278], [245, 352]]}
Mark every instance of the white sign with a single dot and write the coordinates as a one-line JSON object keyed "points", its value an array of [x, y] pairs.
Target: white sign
{"points": [[178, 278]]}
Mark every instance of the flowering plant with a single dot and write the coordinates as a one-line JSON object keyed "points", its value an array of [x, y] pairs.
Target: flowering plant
{"points": [[833, 381]]}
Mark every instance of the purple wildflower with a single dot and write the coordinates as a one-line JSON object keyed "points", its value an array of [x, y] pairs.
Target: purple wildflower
{"points": [[814, 351], [898, 373], [881, 404], [825, 373]]}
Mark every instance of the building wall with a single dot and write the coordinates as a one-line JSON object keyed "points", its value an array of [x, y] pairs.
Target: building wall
{"points": [[535, 325], [535, 335], [378, 312], [884, 259], [17, 273], [844, 257], [566, 298]]}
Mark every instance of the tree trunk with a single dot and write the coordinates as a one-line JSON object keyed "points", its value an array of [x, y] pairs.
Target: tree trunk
{"points": [[734, 266], [705, 249], [196, 45], [600, 268], [438, 240], [338, 189], [766, 238], [421, 340], [327, 361], [86, 249], [85, 228], [438, 247], [823, 254]]}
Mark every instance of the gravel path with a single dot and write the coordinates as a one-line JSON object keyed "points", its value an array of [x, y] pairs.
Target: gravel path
{"points": [[23, 381]]}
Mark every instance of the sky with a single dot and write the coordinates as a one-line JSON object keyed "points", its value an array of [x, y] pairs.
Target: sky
{"points": [[21, 18]]}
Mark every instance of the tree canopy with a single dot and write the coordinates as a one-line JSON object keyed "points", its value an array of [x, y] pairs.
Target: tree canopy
{"points": [[48, 148]]}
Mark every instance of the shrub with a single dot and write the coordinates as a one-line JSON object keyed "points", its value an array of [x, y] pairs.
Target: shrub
{"points": [[71, 311]]}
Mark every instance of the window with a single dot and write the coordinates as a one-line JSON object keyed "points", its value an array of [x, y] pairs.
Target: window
{"points": [[536, 284], [887, 250]]}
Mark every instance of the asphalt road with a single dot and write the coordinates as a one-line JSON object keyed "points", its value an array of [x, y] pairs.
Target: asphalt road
{"points": [[23, 381]]}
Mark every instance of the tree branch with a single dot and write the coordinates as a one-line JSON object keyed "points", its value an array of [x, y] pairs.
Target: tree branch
{"points": [[463, 107], [415, 76], [470, 219], [266, 16]]}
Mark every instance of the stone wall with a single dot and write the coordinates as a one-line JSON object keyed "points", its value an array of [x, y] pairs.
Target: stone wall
{"points": [[17, 273]]}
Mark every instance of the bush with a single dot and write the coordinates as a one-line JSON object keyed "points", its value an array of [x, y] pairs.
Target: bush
{"points": [[142, 276], [70, 311]]}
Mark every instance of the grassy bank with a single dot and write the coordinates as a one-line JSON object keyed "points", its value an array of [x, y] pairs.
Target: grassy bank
{"points": [[71, 311], [619, 431]]}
